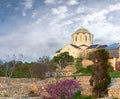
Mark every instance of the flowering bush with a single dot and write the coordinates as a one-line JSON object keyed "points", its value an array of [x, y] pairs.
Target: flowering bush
{"points": [[64, 89]]}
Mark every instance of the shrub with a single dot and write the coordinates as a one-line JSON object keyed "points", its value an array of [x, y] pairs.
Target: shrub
{"points": [[78, 64], [63, 89]]}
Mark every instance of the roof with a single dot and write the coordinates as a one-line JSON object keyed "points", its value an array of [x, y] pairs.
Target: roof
{"points": [[102, 46], [93, 46], [58, 51], [113, 46], [82, 30], [83, 45], [97, 46], [74, 46]]}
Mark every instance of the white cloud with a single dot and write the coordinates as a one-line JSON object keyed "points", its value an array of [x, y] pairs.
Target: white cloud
{"points": [[114, 7], [53, 1], [68, 22], [59, 14], [72, 2], [28, 4], [80, 10], [59, 10], [23, 13], [49, 1], [38, 21], [34, 14], [100, 17]]}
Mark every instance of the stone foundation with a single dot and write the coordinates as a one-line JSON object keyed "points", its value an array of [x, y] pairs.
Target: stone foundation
{"points": [[21, 87]]}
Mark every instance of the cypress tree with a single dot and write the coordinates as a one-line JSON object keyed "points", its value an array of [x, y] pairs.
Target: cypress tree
{"points": [[100, 78]]}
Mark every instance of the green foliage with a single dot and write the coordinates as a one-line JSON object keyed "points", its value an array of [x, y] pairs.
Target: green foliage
{"points": [[78, 64], [63, 59], [17, 69], [115, 98], [115, 74], [100, 76], [77, 95], [86, 97], [2, 71], [21, 71], [86, 70]]}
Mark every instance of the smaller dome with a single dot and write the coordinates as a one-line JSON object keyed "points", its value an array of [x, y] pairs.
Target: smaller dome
{"points": [[82, 30]]}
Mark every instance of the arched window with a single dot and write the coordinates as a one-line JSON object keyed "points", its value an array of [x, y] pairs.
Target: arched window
{"points": [[90, 37], [85, 38], [75, 38]]}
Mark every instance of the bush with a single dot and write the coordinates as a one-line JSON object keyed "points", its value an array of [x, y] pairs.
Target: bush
{"points": [[78, 64], [64, 89], [88, 69]]}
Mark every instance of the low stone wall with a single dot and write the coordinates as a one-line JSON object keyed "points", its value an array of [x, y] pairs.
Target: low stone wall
{"points": [[19, 88], [114, 89], [22, 87]]}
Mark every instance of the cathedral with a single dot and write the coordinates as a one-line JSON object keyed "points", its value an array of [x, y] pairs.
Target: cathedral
{"points": [[82, 44]]}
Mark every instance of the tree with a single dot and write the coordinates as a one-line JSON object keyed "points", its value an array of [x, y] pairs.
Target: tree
{"points": [[42, 67], [2, 69], [100, 76], [63, 59], [21, 70]]}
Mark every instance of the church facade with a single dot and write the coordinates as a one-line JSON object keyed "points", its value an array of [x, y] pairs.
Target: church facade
{"points": [[82, 44]]}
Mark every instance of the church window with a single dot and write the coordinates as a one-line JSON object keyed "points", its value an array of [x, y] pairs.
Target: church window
{"points": [[76, 38], [90, 38], [85, 38]]}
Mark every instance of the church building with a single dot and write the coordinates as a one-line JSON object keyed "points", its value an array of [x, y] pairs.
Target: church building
{"points": [[82, 44]]}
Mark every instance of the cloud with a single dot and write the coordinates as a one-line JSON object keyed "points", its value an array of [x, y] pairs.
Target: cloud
{"points": [[8, 5], [72, 2], [59, 10], [28, 4], [47, 28], [53, 1], [38, 21], [58, 14], [49, 1]]}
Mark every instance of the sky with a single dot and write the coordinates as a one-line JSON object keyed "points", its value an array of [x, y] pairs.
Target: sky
{"points": [[36, 28]]}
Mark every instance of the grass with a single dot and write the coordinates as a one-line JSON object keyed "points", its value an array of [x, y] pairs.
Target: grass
{"points": [[115, 74]]}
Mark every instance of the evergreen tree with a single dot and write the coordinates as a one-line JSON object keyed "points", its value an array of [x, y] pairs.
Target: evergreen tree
{"points": [[100, 76], [63, 59]]}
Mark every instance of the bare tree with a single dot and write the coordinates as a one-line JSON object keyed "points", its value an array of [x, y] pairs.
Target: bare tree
{"points": [[42, 67]]}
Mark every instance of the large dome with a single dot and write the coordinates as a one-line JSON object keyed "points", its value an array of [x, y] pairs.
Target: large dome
{"points": [[82, 37], [82, 30]]}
